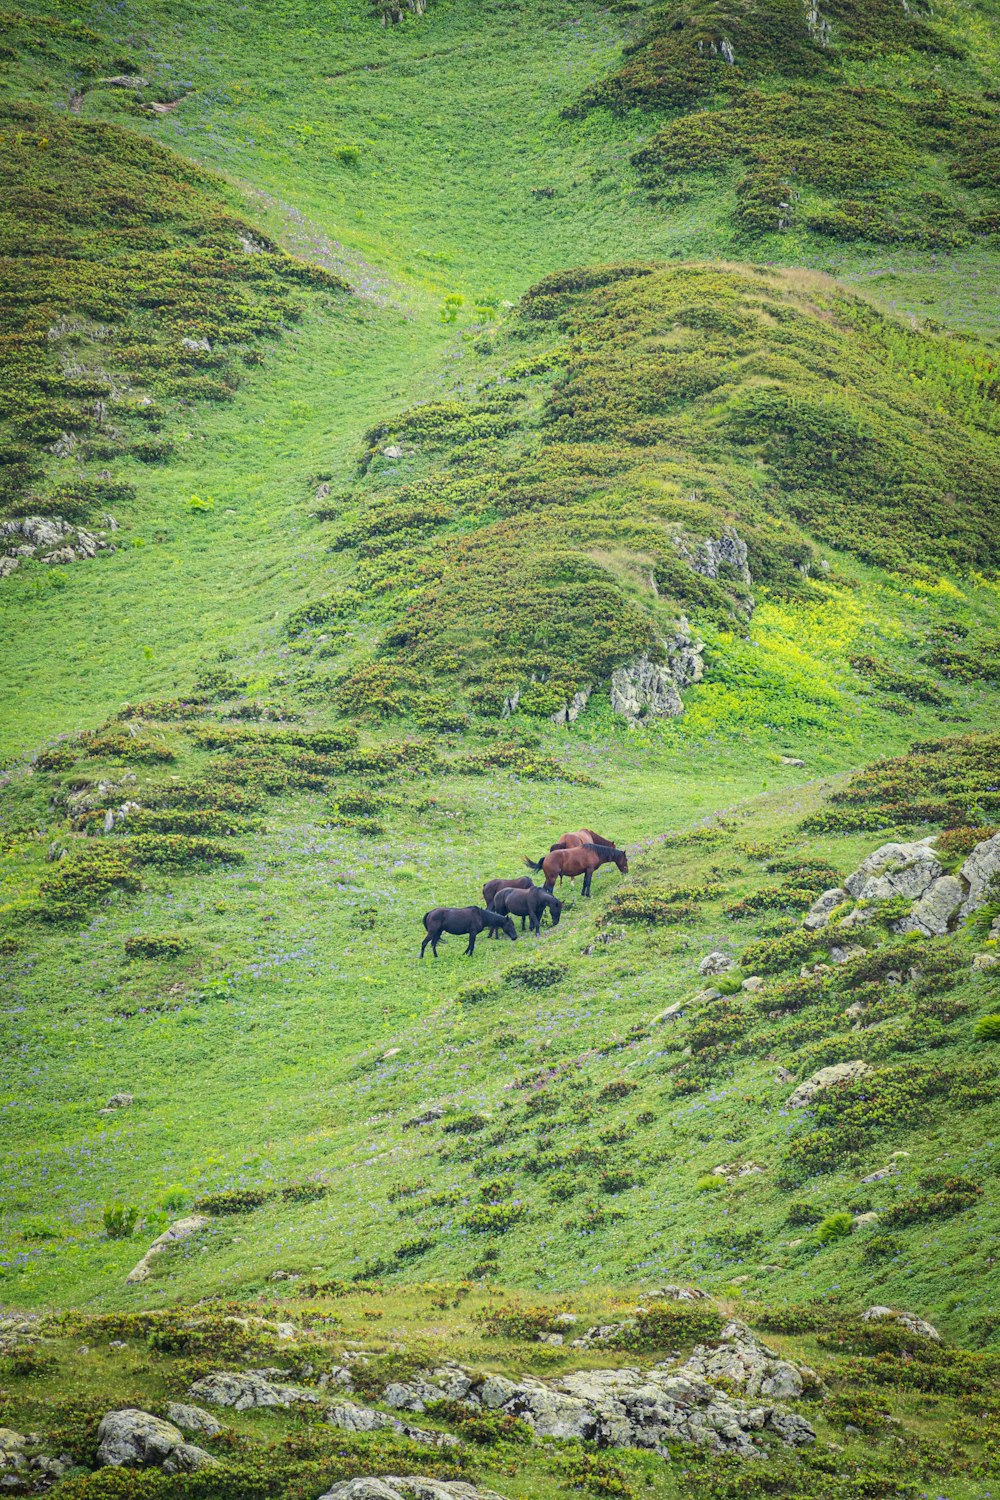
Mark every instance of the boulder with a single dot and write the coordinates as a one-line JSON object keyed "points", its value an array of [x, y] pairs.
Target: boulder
{"points": [[193, 1419], [716, 962], [117, 1101], [244, 1390], [978, 871], [132, 1439], [825, 1079], [413, 1487], [351, 1417], [571, 711], [681, 1294], [428, 1117], [910, 1321], [895, 870], [181, 1229], [819, 913], [937, 910]]}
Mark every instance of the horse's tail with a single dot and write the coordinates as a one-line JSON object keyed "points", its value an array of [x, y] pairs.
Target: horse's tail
{"points": [[534, 864]]}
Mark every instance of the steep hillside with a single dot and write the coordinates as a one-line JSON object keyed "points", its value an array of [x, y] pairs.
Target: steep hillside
{"points": [[405, 467]]}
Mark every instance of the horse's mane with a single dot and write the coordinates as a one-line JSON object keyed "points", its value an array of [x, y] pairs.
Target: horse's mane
{"points": [[608, 849]]}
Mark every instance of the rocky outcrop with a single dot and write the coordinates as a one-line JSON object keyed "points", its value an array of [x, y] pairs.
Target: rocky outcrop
{"points": [[22, 1468], [414, 1487], [825, 1079], [741, 1360], [722, 557], [571, 711], [895, 870], [133, 1439], [716, 962], [906, 1320], [181, 1229], [647, 689], [622, 1408], [937, 910], [981, 867], [353, 1418], [50, 539]]}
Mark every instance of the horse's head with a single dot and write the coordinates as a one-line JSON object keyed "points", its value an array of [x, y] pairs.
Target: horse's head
{"points": [[555, 908], [508, 929], [621, 860]]}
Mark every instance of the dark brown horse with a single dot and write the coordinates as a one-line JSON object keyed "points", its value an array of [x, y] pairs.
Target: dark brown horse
{"points": [[580, 837], [520, 883], [531, 904], [463, 921], [567, 864]]}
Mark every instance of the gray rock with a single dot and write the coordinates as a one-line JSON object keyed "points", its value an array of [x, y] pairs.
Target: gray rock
{"points": [[978, 871], [193, 1419], [908, 1320], [985, 960], [791, 760], [880, 1175], [937, 910], [181, 1229], [244, 1390], [754, 984], [819, 913], [895, 870], [571, 711], [825, 1078], [353, 1418], [133, 1439], [412, 1487], [716, 962], [743, 1361], [865, 1221], [428, 1117], [681, 1294], [118, 1101], [710, 556], [645, 689]]}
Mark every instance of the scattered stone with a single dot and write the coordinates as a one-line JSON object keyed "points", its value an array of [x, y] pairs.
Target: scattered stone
{"points": [[681, 1294], [791, 760], [906, 1320], [754, 984], [196, 346], [393, 451], [49, 539], [862, 1221], [353, 1418], [117, 1101], [737, 1169], [668, 1014], [181, 1229], [716, 962], [825, 1078], [844, 955], [895, 870], [986, 960], [133, 1439], [783, 1076], [193, 1419], [880, 1175]]}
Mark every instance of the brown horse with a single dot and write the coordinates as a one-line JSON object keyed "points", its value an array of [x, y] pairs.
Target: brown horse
{"points": [[567, 864], [579, 838]]}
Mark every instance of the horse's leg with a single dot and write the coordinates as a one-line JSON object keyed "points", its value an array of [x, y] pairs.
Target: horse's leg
{"points": [[472, 944], [586, 882], [434, 943], [423, 945]]}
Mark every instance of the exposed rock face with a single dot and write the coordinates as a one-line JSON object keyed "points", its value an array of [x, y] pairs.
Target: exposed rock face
{"points": [[644, 689], [711, 557], [133, 1439], [819, 913], [825, 1079], [978, 870], [414, 1487], [246, 1389], [572, 710], [193, 1419], [937, 910], [625, 1407], [906, 1320], [895, 870], [353, 1418], [181, 1229], [50, 539]]}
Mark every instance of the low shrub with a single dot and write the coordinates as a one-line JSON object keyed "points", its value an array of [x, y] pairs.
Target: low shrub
{"points": [[494, 1218], [987, 1028], [772, 955], [618, 1088], [469, 1124], [149, 945], [175, 851], [127, 747], [616, 1180], [476, 991], [233, 1201], [837, 1226], [487, 1428], [710, 1183], [120, 1221], [800, 1214], [85, 879], [535, 974], [879, 1247], [942, 1197]]}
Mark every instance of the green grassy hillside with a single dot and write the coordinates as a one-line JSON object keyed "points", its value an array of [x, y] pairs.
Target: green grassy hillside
{"points": [[448, 383]]}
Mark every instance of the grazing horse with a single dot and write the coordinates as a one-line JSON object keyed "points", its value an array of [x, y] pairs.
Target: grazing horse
{"points": [[521, 883], [567, 864], [531, 904], [463, 920], [581, 837]]}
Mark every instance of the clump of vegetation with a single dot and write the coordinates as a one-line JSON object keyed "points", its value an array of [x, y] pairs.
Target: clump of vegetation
{"points": [[154, 946], [120, 1221], [535, 974]]}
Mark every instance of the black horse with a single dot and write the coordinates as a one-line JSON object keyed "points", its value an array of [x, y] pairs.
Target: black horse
{"points": [[463, 920], [519, 883], [531, 904]]}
